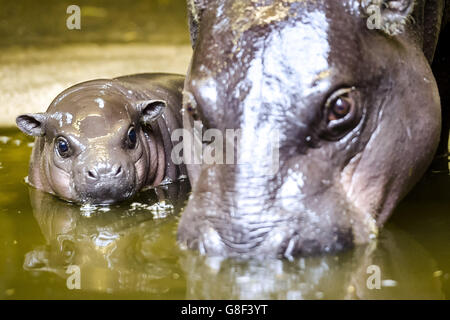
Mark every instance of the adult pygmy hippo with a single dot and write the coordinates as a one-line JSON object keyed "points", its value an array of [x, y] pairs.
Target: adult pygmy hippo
{"points": [[101, 141], [346, 85]]}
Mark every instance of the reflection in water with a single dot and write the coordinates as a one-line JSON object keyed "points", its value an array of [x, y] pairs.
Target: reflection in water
{"points": [[342, 276], [133, 250], [117, 249]]}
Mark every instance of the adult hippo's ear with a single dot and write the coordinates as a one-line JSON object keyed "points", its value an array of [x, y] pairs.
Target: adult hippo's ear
{"points": [[195, 9], [151, 110], [32, 124], [390, 16]]}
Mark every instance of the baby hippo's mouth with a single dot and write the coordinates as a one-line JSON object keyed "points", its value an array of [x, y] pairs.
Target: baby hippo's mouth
{"points": [[107, 191], [108, 195]]}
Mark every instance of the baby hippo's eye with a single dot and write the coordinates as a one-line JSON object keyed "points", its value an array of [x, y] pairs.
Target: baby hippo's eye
{"points": [[132, 138], [62, 147]]}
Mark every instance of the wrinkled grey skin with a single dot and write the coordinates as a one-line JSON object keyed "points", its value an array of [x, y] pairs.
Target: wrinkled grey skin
{"points": [[102, 165], [275, 66]]}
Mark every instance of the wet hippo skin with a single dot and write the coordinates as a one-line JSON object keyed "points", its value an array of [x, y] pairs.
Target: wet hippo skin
{"points": [[102, 141], [357, 113]]}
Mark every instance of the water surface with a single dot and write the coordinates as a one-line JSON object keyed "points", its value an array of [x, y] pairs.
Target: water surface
{"points": [[130, 251]]}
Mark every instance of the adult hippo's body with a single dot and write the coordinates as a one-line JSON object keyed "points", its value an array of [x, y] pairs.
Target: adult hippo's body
{"points": [[102, 141], [346, 90]]}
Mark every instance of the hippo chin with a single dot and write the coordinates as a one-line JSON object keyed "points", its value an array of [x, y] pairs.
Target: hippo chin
{"points": [[102, 141], [356, 109]]}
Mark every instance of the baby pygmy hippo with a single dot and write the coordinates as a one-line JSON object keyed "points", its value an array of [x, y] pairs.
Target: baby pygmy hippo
{"points": [[102, 141]]}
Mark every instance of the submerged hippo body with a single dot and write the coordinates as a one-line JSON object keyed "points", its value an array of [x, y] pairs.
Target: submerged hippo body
{"points": [[356, 110], [102, 141]]}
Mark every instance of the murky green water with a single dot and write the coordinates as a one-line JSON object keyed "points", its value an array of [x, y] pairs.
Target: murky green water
{"points": [[43, 23], [129, 251]]}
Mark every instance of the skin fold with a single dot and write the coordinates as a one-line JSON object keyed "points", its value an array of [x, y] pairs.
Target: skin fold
{"points": [[356, 112], [104, 140]]}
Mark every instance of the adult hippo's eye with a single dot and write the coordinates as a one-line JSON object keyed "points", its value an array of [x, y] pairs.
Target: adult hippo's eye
{"points": [[340, 108], [132, 138], [341, 114], [62, 147]]}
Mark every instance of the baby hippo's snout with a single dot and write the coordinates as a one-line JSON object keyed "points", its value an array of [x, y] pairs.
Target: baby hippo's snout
{"points": [[104, 173], [105, 182]]}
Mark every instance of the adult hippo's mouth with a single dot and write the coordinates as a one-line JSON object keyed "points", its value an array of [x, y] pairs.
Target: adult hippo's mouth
{"points": [[353, 135]]}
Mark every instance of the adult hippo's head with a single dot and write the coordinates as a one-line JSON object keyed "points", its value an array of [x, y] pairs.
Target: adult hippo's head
{"points": [[94, 143], [356, 111]]}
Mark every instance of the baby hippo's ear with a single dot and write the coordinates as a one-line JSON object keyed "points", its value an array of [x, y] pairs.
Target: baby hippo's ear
{"points": [[151, 110], [32, 124]]}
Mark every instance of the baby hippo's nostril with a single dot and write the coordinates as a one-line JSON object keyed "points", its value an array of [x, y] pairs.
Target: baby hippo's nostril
{"points": [[104, 173], [92, 174], [118, 171]]}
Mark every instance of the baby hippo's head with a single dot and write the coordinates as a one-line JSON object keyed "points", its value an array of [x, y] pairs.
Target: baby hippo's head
{"points": [[97, 143]]}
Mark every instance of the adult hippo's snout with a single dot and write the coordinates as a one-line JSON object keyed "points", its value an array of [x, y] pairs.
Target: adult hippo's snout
{"points": [[264, 216], [355, 114]]}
